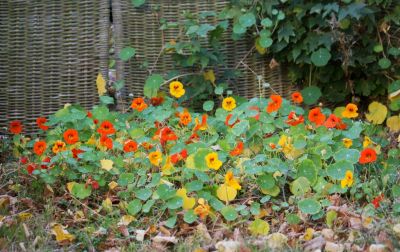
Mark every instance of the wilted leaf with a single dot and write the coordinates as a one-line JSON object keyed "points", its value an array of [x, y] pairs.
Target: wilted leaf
{"points": [[226, 193], [393, 123], [126, 220], [276, 240], [308, 234], [101, 85], [70, 185], [210, 76], [188, 203], [377, 113], [62, 235]]}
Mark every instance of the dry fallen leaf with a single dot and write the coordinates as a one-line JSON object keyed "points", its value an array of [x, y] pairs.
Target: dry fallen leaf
{"points": [[227, 246], [393, 123], [126, 220], [165, 239], [62, 235], [276, 240]]}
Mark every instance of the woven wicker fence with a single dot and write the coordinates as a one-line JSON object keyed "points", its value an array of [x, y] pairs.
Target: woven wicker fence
{"points": [[139, 28], [50, 54]]}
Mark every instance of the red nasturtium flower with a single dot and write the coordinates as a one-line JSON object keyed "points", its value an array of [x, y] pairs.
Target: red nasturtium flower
{"points": [[294, 120], [130, 146], [175, 158], [274, 104], [368, 155], [377, 200], [139, 104], [185, 118], [157, 101], [93, 183], [315, 115], [166, 134], [193, 138], [106, 128], [238, 149], [41, 121], [30, 168], [39, 147], [15, 127], [76, 152], [297, 97], [341, 125], [45, 163], [89, 114], [201, 125], [228, 118], [106, 141], [23, 160], [71, 136]]}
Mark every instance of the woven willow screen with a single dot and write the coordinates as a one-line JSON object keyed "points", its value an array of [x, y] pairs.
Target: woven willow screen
{"points": [[50, 54], [139, 28]]}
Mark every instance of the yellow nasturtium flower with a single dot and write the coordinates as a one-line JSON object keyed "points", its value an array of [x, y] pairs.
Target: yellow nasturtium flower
{"points": [[348, 180], [347, 142], [155, 158], [350, 111], [367, 142], [212, 161], [229, 103], [232, 181], [176, 89]]}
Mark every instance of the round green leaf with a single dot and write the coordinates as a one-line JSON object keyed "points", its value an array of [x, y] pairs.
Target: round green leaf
{"points": [[311, 94], [320, 57], [229, 213], [175, 203], [266, 22], [81, 191], [300, 186], [152, 85], [238, 28], [308, 170], [384, 63], [240, 127], [138, 3], [208, 105], [219, 90], [350, 155], [127, 53], [190, 216], [265, 42], [378, 48], [338, 169], [134, 206], [143, 194], [309, 206], [194, 186], [247, 20], [266, 181]]}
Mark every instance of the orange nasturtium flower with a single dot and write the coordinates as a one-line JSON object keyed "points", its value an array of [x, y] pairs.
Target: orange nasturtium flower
{"points": [[156, 101], [130, 146], [201, 126], [350, 111], [58, 147], [155, 157], [203, 209], [15, 127], [139, 104], [71, 136], [175, 158], [297, 97], [106, 128], [238, 149], [294, 120], [274, 104], [212, 161], [368, 155], [176, 89], [332, 121], [106, 141], [348, 180], [39, 147], [185, 118], [40, 121], [347, 142], [315, 115], [231, 181], [229, 103]]}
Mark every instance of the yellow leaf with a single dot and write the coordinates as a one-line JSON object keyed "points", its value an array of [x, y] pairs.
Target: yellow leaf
{"points": [[309, 234], [259, 227], [393, 123], [377, 113], [190, 162], [188, 202], [106, 164], [62, 235], [126, 220], [107, 205], [210, 76], [112, 185], [261, 50], [24, 216], [101, 84], [226, 193], [70, 185]]}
